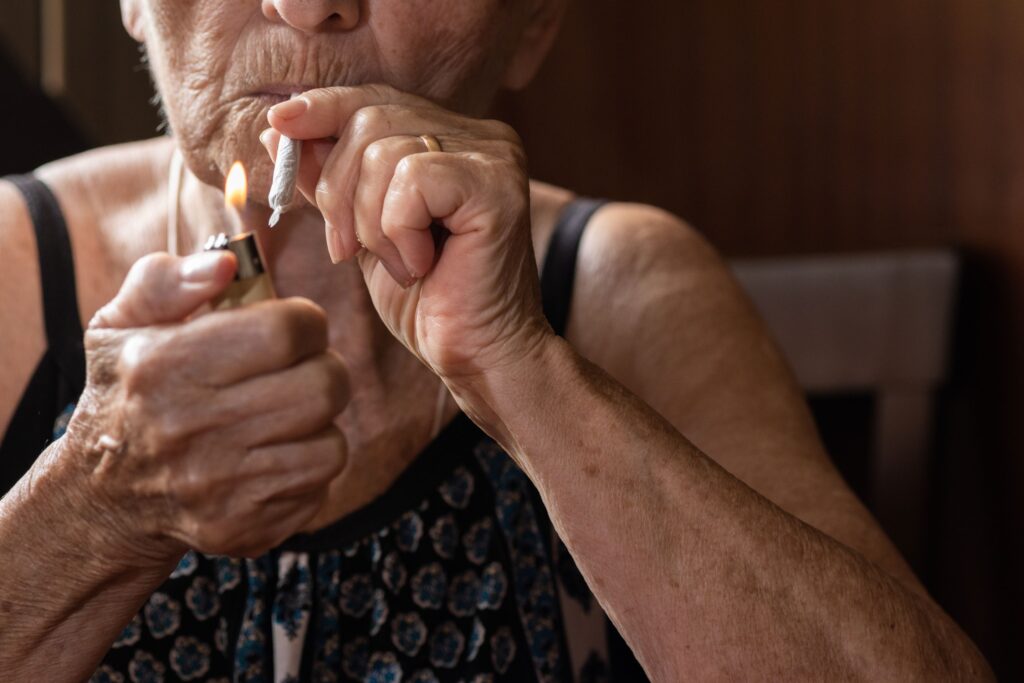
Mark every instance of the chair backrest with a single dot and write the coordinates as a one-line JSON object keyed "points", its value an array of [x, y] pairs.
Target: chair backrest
{"points": [[879, 323]]}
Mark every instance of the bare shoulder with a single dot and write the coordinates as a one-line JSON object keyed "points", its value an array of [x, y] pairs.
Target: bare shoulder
{"points": [[133, 165], [95, 190], [626, 235], [645, 276], [113, 202], [22, 333], [658, 309], [656, 306], [22, 336]]}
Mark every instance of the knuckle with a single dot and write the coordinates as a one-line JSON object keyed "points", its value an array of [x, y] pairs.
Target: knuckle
{"points": [[506, 170], [189, 488], [168, 431], [295, 325], [149, 269], [337, 386], [376, 154], [482, 160], [515, 153], [147, 275], [278, 336], [308, 319], [139, 363], [369, 121], [502, 131], [323, 95], [150, 265], [338, 451], [102, 351], [407, 168]]}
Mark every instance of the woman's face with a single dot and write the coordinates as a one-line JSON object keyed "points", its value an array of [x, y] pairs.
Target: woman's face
{"points": [[220, 64]]}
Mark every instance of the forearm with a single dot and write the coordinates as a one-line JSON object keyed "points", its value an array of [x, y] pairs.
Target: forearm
{"points": [[702, 575], [66, 590]]}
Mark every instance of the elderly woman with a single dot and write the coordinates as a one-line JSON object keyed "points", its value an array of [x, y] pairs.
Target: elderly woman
{"points": [[401, 443]]}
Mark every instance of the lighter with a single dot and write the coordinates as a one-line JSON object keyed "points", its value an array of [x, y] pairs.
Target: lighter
{"points": [[252, 281]]}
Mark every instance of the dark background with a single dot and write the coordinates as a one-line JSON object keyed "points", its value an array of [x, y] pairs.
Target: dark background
{"points": [[775, 127]]}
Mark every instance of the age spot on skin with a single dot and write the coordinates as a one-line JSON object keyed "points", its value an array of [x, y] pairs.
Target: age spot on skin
{"points": [[591, 470]]}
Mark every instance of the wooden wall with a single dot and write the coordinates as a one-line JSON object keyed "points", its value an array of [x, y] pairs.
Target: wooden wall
{"points": [[81, 56], [782, 126], [778, 126]]}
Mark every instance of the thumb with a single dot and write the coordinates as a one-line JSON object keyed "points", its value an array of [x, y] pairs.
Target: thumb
{"points": [[161, 288]]}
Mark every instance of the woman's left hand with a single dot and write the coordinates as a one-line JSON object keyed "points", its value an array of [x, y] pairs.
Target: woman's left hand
{"points": [[466, 306]]}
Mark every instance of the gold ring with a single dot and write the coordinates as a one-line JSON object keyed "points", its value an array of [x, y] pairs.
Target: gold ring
{"points": [[432, 143]]}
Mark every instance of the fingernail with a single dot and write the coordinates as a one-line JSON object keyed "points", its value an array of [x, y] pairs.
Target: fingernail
{"points": [[201, 267], [334, 245], [399, 274], [290, 109], [413, 275], [265, 137]]}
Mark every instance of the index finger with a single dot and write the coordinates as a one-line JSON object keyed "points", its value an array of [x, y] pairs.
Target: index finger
{"points": [[326, 112], [225, 347]]}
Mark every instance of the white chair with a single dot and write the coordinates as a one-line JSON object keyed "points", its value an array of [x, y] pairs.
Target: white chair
{"points": [[873, 323]]}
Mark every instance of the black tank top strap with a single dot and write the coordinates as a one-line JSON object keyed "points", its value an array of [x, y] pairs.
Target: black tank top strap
{"points": [[559, 271], [59, 377], [57, 278]]}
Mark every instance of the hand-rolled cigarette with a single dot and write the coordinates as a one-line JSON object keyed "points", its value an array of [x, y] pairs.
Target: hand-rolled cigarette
{"points": [[286, 169]]}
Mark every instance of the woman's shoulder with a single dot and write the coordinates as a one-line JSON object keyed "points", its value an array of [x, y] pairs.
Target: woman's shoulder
{"points": [[620, 236], [625, 249], [641, 274], [114, 203], [623, 237], [133, 163], [96, 190], [99, 184]]}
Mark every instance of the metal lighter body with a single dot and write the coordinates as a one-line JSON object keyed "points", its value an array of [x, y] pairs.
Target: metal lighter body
{"points": [[252, 282]]}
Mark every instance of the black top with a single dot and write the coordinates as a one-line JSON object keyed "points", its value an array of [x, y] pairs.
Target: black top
{"points": [[60, 376]]}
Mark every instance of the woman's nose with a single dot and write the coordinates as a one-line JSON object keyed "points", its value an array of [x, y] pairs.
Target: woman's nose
{"points": [[314, 16]]}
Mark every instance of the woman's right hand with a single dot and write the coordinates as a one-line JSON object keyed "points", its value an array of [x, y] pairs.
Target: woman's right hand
{"points": [[214, 433]]}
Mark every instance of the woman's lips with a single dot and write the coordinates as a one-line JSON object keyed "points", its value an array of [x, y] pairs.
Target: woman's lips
{"points": [[282, 91], [270, 98]]}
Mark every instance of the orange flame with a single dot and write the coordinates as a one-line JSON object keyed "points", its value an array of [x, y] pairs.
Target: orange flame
{"points": [[236, 187]]}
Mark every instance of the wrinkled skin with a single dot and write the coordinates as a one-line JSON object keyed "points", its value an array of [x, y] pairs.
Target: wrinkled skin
{"points": [[219, 66], [212, 60], [154, 415], [744, 558], [226, 454]]}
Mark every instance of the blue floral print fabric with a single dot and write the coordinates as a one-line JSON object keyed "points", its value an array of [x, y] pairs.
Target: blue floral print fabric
{"points": [[456, 584]]}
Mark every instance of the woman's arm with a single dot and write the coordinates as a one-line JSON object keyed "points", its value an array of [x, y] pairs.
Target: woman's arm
{"points": [[705, 576], [655, 307], [178, 442], [67, 587]]}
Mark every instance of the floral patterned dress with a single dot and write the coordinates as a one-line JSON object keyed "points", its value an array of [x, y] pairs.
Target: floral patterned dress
{"points": [[453, 575]]}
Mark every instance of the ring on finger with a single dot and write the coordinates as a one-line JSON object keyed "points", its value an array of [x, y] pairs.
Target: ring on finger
{"points": [[432, 143]]}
